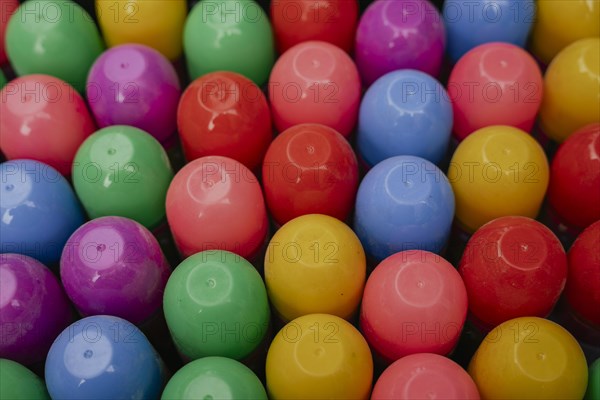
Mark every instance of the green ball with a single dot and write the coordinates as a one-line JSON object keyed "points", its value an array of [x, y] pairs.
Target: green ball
{"points": [[593, 389], [216, 304], [57, 38], [232, 35], [3, 80], [214, 378], [123, 171], [19, 383]]}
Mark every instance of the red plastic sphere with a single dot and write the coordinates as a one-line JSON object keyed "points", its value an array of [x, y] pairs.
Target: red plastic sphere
{"points": [[310, 169], [574, 191], [296, 21], [512, 267], [225, 114], [583, 283]]}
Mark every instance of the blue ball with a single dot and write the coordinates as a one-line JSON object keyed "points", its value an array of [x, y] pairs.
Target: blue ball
{"points": [[405, 112], [38, 209], [470, 23], [403, 203], [103, 357]]}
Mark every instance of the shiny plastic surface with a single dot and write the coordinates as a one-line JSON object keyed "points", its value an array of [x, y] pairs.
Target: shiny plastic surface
{"points": [[8, 7], [19, 383]]}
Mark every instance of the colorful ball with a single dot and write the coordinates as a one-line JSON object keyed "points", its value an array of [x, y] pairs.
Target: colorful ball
{"points": [[229, 36], [216, 203], [495, 84], [404, 112], [43, 119], [135, 85], [225, 114], [571, 87], [39, 210], [315, 82], [33, 309], [512, 267], [123, 171], [215, 304], [402, 34], [19, 383], [403, 203], [319, 356], [593, 389], [529, 358], [414, 302], [497, 171], [310, 169], [8, 8], [315, 264]]}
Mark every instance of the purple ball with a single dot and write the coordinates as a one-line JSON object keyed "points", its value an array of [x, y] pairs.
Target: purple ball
{"points": [[399, 34], [33, 309], [114, 266], [135, 85]]}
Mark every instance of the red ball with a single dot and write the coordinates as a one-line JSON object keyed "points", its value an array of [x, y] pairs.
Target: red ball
{"points": [[296, 21], [512, 267], [215, 203], [310, 169], [7, 8], [225, 114], [43, 119], [414, 302], [583, 283], [574, 191]]}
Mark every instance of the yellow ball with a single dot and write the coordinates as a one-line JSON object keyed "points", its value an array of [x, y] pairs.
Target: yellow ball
{"points": [[154, 23], [319, 356], [529, 358], [497, 171], [315, 264], [559, 23], [572, 90]]}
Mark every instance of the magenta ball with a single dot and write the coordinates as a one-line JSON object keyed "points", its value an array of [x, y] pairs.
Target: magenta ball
{"points": [[33, 309], [135, 85], [399, 34], [114, 266]]}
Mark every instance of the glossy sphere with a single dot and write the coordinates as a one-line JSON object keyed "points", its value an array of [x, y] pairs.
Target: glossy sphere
{"points": [[575, 178], [571, 87], [114, 266], [562, 22], [497, 171], [332, 21], [43, 119], [216, 305], [315, 264], [310, 169], [33, 309], [214, 378], [57, 38], [39, 210], [7, 8], [469, 24], [319, 356], [225, 114], [103, 357], [529, 358], [403, 203], [123, 171], [154, 23], [3, 80], [513, 267], [315, 82], [583, 283], [404, 112], [403, 34], [19, 383], [593, 389], [495, 84], [135, 85], [421, 376], [414, 302], [229, 36], [216, 203]]}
